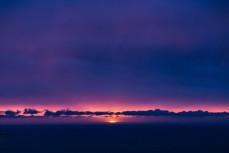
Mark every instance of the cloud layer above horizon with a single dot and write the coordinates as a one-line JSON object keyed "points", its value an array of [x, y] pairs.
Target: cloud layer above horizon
{"points": [[85, 52], [28, 113]]}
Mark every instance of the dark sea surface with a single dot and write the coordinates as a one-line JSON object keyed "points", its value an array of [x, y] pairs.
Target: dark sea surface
{"points": [[114, 138]]}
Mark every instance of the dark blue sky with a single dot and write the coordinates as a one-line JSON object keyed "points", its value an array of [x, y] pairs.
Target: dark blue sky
{"points": [[114, 54]]}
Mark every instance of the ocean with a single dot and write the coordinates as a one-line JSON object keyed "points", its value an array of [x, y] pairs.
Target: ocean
{"points": [[114, 138]]}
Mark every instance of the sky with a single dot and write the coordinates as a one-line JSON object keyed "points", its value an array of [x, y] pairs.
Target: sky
{"points": [[114, 55]]}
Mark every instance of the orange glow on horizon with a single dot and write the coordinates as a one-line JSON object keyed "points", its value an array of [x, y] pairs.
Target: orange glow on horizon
{"points": [[112, 121], [116, 106]]}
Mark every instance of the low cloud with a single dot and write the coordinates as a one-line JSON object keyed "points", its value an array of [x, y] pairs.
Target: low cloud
{"points": [[156, 112], [31, 111], [76, 113], [67, 112], [10, 113]]}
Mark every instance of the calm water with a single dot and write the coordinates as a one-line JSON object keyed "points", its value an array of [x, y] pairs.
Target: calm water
{"points": [[140, 138]]}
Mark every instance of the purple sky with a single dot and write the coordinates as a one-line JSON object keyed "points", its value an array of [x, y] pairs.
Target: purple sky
{"points": [[114, 55]]}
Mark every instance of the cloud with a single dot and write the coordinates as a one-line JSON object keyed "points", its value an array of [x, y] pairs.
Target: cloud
{"points": [[10, 113], [31, 111], [133, 49], [76, 113], [71, 113], [65, 113], [201, 113], [156, 112]]}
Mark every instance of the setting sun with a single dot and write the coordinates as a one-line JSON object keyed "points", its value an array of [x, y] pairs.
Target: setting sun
{"points": [[112, 121]]}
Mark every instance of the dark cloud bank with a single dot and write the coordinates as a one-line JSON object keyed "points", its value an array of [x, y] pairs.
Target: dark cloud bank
{"points": [[60, 113]]}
